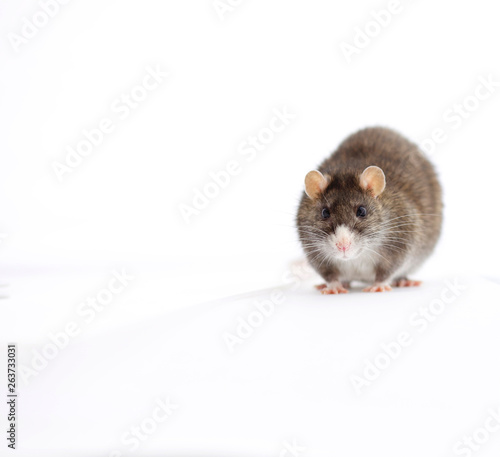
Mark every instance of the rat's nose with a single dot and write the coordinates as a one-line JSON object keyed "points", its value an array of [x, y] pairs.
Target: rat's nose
{"points": [[343, 246]]}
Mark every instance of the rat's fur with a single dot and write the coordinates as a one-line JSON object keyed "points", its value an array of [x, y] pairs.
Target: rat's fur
{"points": [[403, 224]]}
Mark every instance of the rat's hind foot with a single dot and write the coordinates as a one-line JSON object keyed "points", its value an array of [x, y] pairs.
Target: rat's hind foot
{"points": [[405, 282], [378, 287], [332, 288]]}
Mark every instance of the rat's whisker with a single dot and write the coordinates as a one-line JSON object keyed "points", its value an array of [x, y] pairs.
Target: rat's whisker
{"points": [[378, 253]]}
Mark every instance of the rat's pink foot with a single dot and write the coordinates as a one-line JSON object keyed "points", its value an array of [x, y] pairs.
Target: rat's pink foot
{"points": [[378, 287], [403, 282], [345, 285], [334, 291], [334, 288]]}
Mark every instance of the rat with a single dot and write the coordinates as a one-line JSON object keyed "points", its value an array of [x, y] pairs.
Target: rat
{"points": [[371, 212]]}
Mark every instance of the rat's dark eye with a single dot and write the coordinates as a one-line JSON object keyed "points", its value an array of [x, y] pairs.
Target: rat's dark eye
{"points": [[325, 214], [361, 212]]}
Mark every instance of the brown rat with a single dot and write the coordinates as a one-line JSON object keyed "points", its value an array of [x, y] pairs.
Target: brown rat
{"points": [[371, 212]]}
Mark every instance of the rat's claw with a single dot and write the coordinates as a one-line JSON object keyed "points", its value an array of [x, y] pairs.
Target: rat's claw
{"points": [[378, 288], [406, 283], [334, 291], [333, 288], [320, 286]]}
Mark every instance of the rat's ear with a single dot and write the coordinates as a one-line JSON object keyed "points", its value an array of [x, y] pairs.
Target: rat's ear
{"points": [[316, 183], [373, 180]]}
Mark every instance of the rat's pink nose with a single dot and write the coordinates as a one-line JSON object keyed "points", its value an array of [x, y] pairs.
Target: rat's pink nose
{"points": [[343, 246]]}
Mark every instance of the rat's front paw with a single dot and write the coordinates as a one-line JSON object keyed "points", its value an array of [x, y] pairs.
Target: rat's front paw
{"points": [[404, 282], [345, 285], [378, 287], [333, 288]]}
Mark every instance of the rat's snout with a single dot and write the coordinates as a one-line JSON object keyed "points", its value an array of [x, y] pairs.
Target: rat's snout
{"points": [[343, 245], [343, 242]]}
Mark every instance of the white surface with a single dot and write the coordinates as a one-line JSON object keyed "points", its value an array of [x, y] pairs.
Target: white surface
{"points": [[120, 209], [288, 381]]}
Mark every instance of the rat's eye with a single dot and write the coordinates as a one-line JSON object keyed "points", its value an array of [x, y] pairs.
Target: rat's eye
{"points": [[361, 212], [325, 214]]}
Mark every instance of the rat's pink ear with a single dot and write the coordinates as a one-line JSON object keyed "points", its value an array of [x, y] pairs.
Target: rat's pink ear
{"points": [[373, 180], [316, 183]]}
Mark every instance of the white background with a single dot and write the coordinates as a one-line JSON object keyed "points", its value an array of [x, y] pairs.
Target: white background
{"points": [[120, 206], [226, 77]]}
